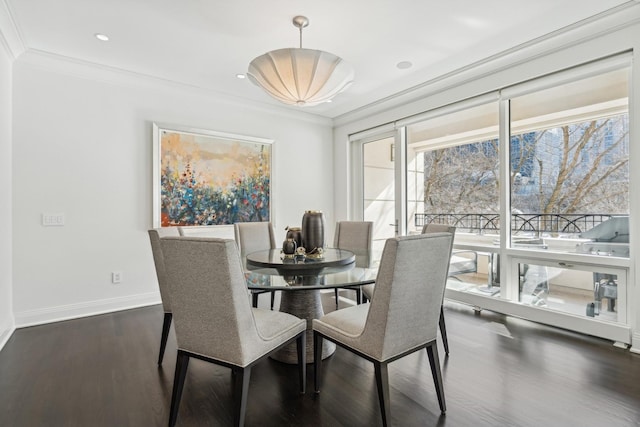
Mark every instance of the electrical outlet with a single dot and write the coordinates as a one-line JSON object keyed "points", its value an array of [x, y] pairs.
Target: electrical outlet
{"points": [[116, 277]]}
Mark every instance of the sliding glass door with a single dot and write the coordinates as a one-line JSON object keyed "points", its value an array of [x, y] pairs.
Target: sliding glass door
{"points": [[379, 190], [458, 152]]}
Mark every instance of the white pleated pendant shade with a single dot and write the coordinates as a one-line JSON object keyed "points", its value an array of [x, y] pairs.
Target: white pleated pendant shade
{"points": [[299, 76]]}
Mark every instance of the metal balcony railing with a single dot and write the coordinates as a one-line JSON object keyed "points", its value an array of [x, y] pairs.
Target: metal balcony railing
{"points": [[531, 222]]}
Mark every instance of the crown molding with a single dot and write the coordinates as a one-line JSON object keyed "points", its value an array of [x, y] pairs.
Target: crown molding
{"points": [[10, 38]]}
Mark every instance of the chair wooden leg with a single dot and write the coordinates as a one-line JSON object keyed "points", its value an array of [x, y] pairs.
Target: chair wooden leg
{"points": [[317, 360], [382, 382], [182, 363], [240, 392], [254, 299], [443, 331], [359, 296], [301, 348], [364, 298], [434, 361], [166, 325]]}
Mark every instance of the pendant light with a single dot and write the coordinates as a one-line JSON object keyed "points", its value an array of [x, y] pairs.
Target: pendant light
{"points": [[297, 76]]}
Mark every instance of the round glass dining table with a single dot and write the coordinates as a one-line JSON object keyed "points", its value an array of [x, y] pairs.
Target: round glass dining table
{"points": [[301, 280]]}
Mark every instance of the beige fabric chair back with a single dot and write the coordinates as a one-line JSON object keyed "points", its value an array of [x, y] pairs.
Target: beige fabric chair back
{"points": [[211, 312], [254, 236], [403, 296], [154, 236], [438, 228], [354, 236]]}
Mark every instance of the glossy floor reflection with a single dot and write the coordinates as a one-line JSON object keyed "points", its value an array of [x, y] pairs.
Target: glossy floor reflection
{"points": [[101, 371]]}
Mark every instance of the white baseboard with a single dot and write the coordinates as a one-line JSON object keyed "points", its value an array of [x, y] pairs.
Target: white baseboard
{"points": [[85, 309], [5, 333]]}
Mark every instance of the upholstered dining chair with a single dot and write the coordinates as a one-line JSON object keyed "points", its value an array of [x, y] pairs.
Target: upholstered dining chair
{"points": [[354, 236], [253, 237], [367, 290], [402, 317], [441, 228], [154, 236], [214, 320]]}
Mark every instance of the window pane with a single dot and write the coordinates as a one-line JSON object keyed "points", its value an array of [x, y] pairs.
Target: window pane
{"points": [[570, 166], [583, 293], [454, 162]]}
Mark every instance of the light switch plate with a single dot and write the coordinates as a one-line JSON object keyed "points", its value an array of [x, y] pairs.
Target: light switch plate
{"points": [[52, 219]]}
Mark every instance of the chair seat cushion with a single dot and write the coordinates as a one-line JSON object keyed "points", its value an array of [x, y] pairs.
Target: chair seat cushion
{"points": [[274, 328], [367, 290], [275, 325], [347, 323]]}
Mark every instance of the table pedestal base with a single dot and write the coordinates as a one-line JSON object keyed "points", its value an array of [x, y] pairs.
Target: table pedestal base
{"points": [[305, 305]]}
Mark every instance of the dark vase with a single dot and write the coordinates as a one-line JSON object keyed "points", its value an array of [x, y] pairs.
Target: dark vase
{"points": [[295, 233], [289, 247], [312, 231]]}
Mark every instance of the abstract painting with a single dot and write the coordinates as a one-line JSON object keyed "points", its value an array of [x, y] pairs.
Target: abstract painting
{"points": [[204, 178]]}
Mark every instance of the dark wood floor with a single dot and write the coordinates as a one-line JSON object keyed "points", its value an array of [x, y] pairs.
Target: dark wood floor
{"points": [[101, 371]]}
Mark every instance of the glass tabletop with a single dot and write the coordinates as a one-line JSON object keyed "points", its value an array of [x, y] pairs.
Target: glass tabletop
{"points": [[326, 278]]}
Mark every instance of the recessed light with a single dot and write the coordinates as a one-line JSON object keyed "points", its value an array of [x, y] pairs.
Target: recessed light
{"points": [[403, 65], [102, 37], [241, 76]]}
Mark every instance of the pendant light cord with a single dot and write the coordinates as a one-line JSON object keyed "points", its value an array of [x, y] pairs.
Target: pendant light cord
{"points": [[300, 22]]}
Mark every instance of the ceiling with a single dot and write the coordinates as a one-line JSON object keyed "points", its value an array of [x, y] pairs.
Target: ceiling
{"points": [[206, 43]]}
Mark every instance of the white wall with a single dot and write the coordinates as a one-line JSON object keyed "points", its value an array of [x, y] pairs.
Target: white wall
{"points": [[6, 310], [83, 147], [610, 35]]}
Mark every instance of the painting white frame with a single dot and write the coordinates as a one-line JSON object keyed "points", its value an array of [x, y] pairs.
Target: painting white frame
{"points": [[214, 136]]}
